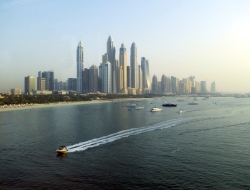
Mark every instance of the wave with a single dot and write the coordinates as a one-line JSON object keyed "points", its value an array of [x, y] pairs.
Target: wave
{"points": [[125, 133]]}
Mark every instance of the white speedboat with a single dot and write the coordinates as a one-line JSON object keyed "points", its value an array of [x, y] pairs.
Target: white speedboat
{"points": [[156, 109], [139, 107], [179, 112], [62, 149], [131, 105], [193, 103]]}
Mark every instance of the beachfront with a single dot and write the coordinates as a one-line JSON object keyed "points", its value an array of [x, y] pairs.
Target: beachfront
{"points": [[5, 108]]}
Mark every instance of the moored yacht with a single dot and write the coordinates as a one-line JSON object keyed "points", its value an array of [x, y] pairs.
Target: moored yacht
{"points": [[166, 104]]}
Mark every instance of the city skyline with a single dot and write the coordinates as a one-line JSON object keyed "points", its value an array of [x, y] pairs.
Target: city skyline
{"points": [[207, 39]]}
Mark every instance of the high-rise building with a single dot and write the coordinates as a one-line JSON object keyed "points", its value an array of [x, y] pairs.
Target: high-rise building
{"points": [[72, 84], [29, 84], [49, 80], [146, 83], [154, 85], [128, 76], [56, 84], [93, 79], [111, 58], [213, 87], [85, 81], [192, 79], [203, 86], [41, 83], [197, 87], [164, 84], [123, 64], [107, 79], [134, 67], [139, 77], [175, 85], [80, 66]]}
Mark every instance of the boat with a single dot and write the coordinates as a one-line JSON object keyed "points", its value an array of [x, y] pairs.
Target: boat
{"points": [[166, 104], [131, 105], [155, 109], [193, 103], [62, 149], [180, 111], [181, 100], [139, 107]]}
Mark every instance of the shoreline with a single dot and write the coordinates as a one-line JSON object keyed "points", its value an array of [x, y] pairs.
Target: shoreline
{"points": [[61, 104]]}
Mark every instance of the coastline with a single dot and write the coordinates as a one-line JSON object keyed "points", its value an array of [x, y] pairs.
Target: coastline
{"points": [[61, 104]]}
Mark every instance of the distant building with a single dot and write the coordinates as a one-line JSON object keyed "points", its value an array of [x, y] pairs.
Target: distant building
{"points": [[49, 80], [154, 85], [164, 89], [29, 84], [72, 84], [80, 66], [213, 87], [134, 67], [123, 64], [146, 83], [128, 77], [203, 87], [93, 79], [175, 85], [107, 79], [85, 81], [16, 91], [41, 83]]}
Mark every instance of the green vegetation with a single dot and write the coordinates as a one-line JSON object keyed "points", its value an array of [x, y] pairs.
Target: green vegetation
{"points": [[43, 99]]}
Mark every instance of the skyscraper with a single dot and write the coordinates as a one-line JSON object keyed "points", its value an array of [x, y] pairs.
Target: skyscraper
{"points": [[49, 80], [134, 67], [72, 83], [164, 84], [128, 76], [79, 63], [146, 83], [85, 81], [123, 64], [111, 58], [93, 79], [107, 82], [154, 85], [203, 86], [213, 87], [29, 84], [175, 85]]}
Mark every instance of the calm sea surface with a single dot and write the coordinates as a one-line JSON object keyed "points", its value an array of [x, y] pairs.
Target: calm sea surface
{"points": [[110, 147]]}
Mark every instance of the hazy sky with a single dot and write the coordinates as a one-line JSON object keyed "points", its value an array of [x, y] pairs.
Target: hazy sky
{"points": [[209, 39]]}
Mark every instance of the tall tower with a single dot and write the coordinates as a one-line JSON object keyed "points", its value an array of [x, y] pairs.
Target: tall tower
{"points": [[93, 79], [146, 83], [154, 85], [111, 58], [49, 80], [123, 64], [79, 64], [134, 67]]}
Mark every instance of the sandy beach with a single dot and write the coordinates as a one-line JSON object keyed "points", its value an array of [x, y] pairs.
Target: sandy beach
{"points": [[36, 106]]}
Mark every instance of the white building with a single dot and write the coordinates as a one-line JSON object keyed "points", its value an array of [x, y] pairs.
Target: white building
{"points": [[107, 77]]}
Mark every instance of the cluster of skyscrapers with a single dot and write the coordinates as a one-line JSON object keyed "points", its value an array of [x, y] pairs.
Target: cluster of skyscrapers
{"points": [[114, 75]]}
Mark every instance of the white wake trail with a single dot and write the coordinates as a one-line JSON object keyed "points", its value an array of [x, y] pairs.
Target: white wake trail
{"points": [[122, 134]]}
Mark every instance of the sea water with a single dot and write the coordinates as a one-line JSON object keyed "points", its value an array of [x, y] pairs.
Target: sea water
{"points": [[113, 147]]}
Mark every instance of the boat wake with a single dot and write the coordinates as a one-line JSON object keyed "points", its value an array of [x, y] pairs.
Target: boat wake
{"points": [[125, 133]]}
